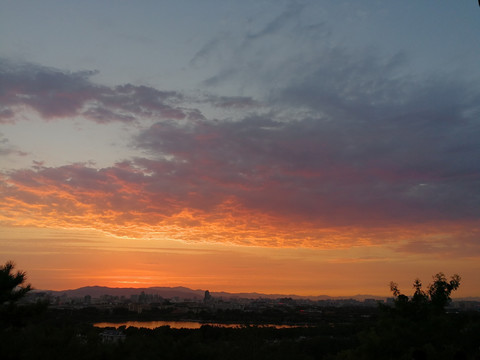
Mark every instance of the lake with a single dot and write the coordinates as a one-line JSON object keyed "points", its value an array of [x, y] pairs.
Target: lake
{"points": [[180, 324]]}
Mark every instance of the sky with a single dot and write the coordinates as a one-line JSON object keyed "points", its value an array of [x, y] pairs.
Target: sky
{"points": [[294, 147]]}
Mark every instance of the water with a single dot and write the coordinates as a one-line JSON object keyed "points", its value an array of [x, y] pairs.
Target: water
{"points": [[179, 324]]}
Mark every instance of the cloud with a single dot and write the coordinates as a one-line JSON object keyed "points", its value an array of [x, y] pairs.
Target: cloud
{"points": [[350, 152], [464, 245], [232, 102], [337, 172], [339, 148], [60, 94], [56, 94], [291, 12], [353, 137], [7, 149], [268, 55], [262, 181]]}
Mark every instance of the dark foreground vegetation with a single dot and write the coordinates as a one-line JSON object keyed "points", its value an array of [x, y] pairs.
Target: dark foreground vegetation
{"points": [[416, 327], [54, 334]]}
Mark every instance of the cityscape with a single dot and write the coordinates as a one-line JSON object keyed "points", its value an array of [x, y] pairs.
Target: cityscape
{"points": [[183, 323], [146, 301]]}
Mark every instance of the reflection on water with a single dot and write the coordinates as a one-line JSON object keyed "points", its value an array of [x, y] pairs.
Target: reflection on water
{"points": [[177, 324]]}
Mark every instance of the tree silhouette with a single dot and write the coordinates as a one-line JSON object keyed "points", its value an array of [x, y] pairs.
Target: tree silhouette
{"points": [[441, 289], [436, 298], [12, 285], [417, 327]]}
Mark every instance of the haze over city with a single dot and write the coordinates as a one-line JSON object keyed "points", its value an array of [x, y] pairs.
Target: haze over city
{"points": [[286, 147]]}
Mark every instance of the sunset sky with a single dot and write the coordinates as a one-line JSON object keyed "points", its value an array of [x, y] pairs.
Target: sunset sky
{"points": [[296, 147]]}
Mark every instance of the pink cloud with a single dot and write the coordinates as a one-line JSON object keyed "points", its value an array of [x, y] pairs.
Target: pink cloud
{"points": [[156, 198]]}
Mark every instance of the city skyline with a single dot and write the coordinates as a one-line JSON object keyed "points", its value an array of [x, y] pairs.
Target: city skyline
{"points": [[299, 147]]}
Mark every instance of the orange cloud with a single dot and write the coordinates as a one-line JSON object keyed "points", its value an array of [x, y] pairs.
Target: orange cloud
{"points": [[121, 201]]}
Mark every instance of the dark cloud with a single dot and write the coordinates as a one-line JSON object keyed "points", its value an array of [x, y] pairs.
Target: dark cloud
{"points": [[232, 102], [355, 137], [58, 94], [334, 172]]}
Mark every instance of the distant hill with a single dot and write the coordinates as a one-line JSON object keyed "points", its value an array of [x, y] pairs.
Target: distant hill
{"points": [[186, 293], [165, 292]]}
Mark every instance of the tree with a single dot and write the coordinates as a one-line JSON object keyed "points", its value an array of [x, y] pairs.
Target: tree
{"points": [[417, 327], [436, 298], [12, 285], [441, 289]]}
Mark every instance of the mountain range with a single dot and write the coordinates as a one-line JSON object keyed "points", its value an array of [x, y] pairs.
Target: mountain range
{"points": [[187, 293]]}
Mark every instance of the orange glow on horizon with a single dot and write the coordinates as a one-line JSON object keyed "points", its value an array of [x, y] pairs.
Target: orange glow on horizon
{"points": [[67, 259]]}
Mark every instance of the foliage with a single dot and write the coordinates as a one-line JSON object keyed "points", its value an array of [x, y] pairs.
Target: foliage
{"points": [[418, 327], [12, 290], [12, 286], [434, 299]]}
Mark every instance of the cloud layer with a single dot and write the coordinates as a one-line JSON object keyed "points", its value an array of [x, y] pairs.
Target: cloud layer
{"points": [[351, 150]]}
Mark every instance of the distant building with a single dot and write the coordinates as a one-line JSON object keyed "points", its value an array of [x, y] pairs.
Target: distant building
{"points": [[87, 299], [207, 298]]}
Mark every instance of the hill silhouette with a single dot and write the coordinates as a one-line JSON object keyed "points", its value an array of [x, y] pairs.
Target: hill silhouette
{"points": [[187, 293]]}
